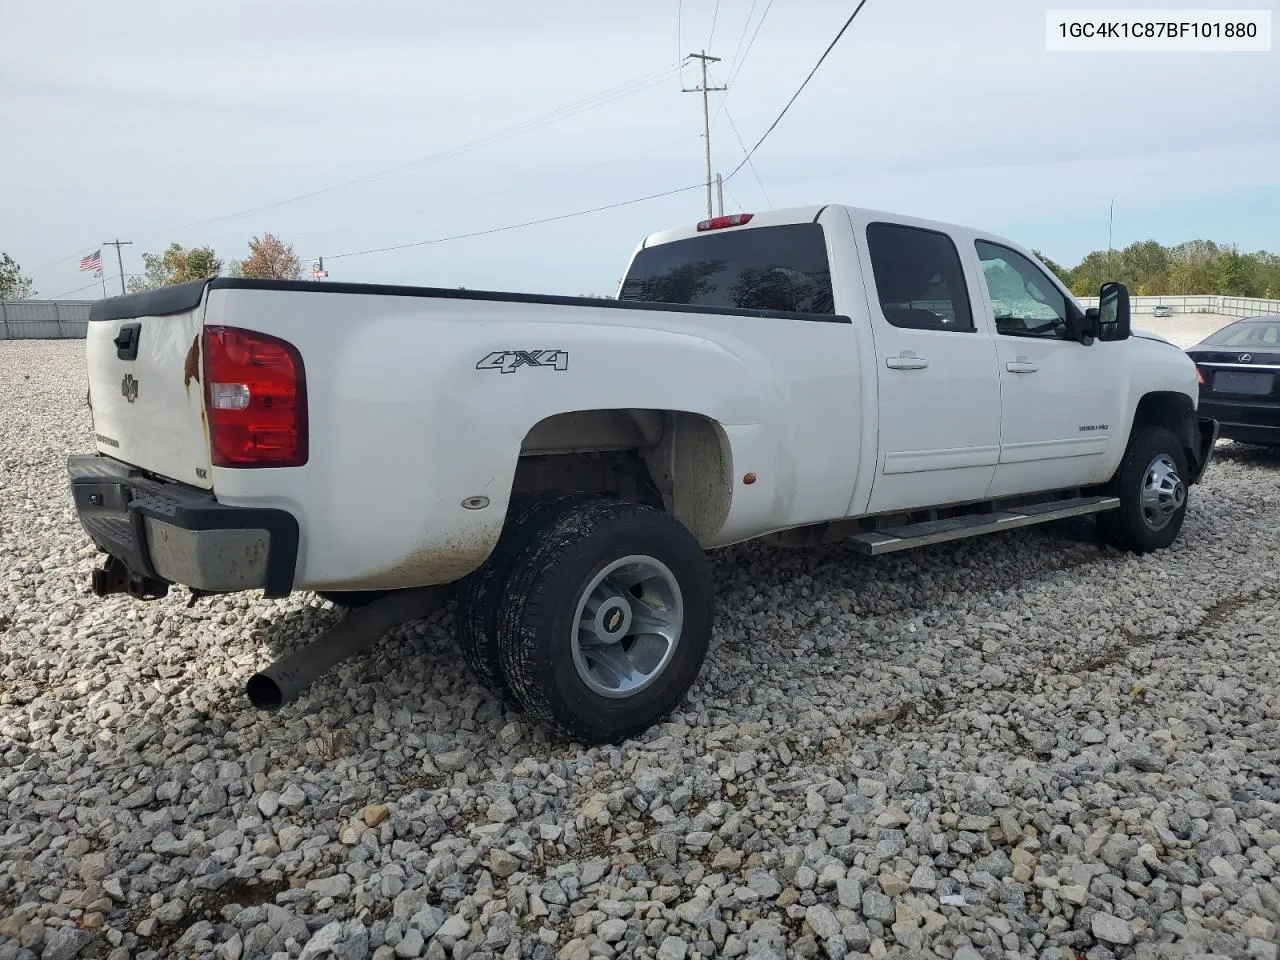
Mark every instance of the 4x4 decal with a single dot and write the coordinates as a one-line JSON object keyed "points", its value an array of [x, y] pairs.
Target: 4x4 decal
{"points": [[507, 361]]}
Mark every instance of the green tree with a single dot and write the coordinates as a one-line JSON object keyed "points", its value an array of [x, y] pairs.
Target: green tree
{"points": [[1091, 273], [1233, 275], [1148, 268], [175, 265], [1059, 271], [1145, 265], [270, 258], [1267, 273], [13, 285]]}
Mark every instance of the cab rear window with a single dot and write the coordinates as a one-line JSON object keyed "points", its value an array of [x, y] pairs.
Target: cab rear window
{"points": [[782, 268]]}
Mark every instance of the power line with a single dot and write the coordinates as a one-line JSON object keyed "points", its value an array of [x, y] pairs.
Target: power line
{"points": [[582, 105], [767, 7], [743, 36], [750, 162], [512, 189], [794, 96], [91, 283], [735, 68], [714, 17], [679, 38], [516, 226]]}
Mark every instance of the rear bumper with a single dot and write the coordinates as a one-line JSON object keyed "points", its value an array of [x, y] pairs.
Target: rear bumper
{"points": [[172, 533], [1244, 421]]}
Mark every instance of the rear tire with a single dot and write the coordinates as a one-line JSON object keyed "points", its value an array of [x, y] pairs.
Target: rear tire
{"points": [[606, 620], [1152, 492], [479, 595]]}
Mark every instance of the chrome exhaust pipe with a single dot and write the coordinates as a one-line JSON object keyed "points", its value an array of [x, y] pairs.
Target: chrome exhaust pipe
{"points": [[283, 681]]}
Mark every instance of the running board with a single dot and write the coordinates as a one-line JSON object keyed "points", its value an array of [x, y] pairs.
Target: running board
{"points": [[890, 539]]}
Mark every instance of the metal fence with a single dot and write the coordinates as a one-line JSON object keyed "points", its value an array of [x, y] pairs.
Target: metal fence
{"points": [[1224, 306], [44, 319]]}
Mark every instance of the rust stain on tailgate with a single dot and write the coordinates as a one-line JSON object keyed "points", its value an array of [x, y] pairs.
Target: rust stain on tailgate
{"points": [[191, 367]]}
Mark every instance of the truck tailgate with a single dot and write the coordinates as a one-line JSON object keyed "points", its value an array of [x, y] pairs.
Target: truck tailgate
{"points": [[146, 394]]}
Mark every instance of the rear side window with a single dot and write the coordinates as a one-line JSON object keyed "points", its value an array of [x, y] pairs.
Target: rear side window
{"points": [[1249, 334], [765, 268], [919, 278]]}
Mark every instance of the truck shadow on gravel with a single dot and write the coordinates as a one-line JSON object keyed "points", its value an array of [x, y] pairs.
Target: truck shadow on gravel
{"points": [[409, 667], [896, 584], [1243, 453], [402, 668]]}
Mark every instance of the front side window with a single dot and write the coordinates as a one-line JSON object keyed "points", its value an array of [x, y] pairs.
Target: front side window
{"points": [[1025, 302], [919, 279], [782, 268]]}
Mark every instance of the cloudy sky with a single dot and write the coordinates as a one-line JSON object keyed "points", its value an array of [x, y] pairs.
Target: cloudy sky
{"points": [[345, 127]]}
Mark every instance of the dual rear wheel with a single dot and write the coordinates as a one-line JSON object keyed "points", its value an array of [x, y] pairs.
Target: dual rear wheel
{"points": [[594, 615]]}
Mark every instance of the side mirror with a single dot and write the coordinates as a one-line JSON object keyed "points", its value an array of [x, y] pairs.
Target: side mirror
{"points": [[1113, 312]]}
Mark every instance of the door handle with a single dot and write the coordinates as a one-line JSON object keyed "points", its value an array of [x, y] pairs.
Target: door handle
{"points": [[126, 341], [906, 363], [1020, 366]]}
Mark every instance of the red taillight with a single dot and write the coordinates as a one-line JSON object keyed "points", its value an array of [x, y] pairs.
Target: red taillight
{"points": [[719, 223], [1200, 376], [256, 399]]}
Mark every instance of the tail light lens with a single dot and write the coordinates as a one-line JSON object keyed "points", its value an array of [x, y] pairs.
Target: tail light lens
{"points": [[719, 223], [255, 398], [1200, 376]]}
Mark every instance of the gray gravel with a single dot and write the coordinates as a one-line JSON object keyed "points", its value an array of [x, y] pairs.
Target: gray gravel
{"points": [[1022, 746]]}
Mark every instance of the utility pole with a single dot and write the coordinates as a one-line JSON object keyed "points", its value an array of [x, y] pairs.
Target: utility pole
{"points": [[706, 115], [1111, 218], [118, 243]]}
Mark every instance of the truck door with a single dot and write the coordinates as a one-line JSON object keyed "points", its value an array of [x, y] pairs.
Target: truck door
{"points": [[939, 393], [1061, 402]]}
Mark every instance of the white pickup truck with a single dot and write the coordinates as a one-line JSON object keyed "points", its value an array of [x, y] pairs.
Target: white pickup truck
{"points": [[805, 376]]}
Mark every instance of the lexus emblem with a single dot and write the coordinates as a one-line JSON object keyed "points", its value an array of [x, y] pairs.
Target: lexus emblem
{"points": [[1246, 357], [129, 388]]}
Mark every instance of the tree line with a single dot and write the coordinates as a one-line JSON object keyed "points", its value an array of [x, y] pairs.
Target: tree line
{"points": [[1149, 268], [270, 258]]}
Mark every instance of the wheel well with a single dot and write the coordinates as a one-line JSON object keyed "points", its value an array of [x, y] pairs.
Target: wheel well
{"points": [[676, 461], [1173, 411]]}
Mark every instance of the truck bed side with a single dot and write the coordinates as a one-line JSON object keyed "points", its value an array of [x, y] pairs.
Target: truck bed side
{"points": [[407, 422]]}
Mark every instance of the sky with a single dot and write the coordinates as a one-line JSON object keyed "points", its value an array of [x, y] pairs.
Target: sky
{"points": [[345, 127]]}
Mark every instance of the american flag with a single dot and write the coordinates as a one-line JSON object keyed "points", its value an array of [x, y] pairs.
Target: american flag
{"points": [[92, 262]]}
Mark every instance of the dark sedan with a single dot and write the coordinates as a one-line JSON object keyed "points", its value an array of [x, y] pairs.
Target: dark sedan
{"points": [[1239, 369]]}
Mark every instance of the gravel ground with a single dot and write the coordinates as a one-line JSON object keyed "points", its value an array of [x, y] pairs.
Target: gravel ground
{"points": [[1184, 329], [1018, 746]]}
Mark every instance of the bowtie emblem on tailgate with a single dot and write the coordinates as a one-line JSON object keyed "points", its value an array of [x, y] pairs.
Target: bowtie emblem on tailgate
{"points": [[129, 388]]}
